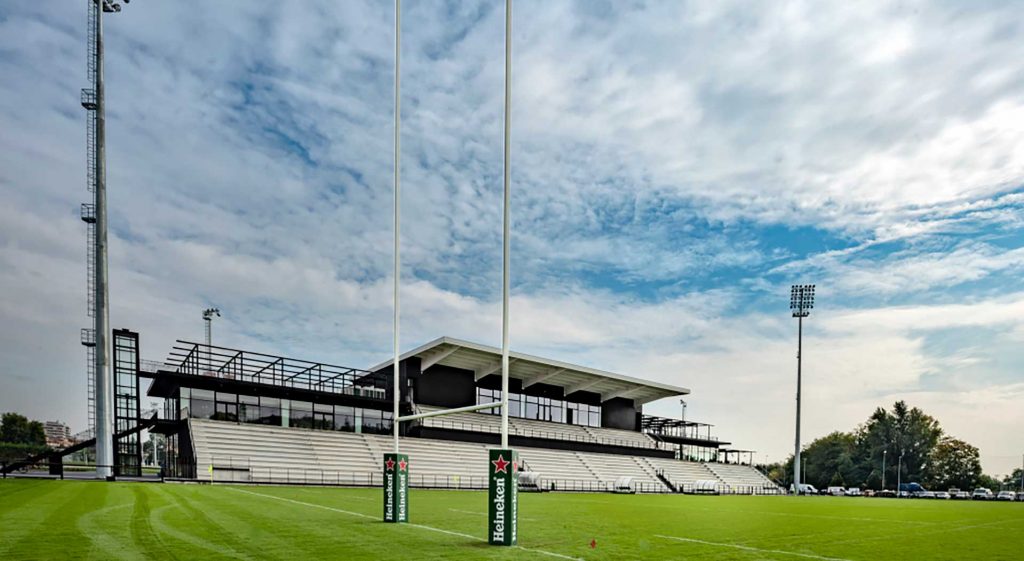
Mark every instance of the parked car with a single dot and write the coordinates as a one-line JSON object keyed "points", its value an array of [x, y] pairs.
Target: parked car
{"points": [[911, 490], [982, 494], [1006, 496], [941, 495], [962, 495], [837, 491], [853, 492], [871, 493], [926, 495], [805, 489], [1020, 496]]}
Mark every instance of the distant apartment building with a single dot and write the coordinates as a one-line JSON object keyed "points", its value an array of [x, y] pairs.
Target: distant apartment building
{"points": [[58, 434]]}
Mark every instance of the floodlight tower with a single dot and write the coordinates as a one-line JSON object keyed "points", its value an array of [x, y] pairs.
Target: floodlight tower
{"points": [[208, 315], [801, 300], [94, 214]]}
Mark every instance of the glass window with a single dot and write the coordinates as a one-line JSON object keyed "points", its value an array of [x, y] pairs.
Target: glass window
{"points": [[227, 397], [323, 408], [226, 411], [201, 408], [372, 421], [270, 411], [249, 413], [250, 399], [515, 405], [301, 415], [344, 418], [323, 421], [202, 394]]}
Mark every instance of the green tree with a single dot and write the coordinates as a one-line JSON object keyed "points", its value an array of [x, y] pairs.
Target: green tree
{"points": [[905, 431], [954, 463], [1015, 480], [989, 482], [831, 460], [17, 429]]}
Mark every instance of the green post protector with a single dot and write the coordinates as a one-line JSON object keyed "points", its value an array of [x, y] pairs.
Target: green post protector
{"points": [[502, 497], [396, 488]]}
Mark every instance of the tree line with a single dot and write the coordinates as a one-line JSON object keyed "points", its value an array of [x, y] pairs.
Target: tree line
{"points": [[904, 444], [20, 437]]}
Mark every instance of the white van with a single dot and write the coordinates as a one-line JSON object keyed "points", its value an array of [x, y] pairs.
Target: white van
{"points": [[805, 489], [837, 491]]}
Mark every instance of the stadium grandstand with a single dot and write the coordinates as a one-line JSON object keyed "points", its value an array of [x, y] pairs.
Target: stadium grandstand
{"points": [[231, 415]]}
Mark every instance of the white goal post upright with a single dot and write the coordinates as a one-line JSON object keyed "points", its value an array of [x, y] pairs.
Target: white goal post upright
{"points": [[398, 212], [503, 464], [396, 465]]}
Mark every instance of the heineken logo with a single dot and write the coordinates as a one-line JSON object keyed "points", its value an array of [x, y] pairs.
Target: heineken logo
{"points": [[403, 488], [502, 497], [401, 464], [390, 465], [389, 496], [498, 524]]}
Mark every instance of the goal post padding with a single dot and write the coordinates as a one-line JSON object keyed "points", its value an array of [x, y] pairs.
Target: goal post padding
{"points": [[502, 497], [396, 488]]}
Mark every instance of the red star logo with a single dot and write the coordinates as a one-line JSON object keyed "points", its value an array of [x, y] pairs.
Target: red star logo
{"points": [[515, 467], [390, 464], [402, 464], [500, 464]]}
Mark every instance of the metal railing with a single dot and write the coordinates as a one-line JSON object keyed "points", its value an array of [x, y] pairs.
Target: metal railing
{"points": [[441, 423], [220, 362]]}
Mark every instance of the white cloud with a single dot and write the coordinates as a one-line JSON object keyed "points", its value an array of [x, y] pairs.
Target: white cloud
{"points": [[250, 159]]}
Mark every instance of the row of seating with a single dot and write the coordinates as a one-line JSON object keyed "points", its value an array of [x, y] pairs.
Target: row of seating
{"points": [[482, 422], [739, 478], [228, 451]]}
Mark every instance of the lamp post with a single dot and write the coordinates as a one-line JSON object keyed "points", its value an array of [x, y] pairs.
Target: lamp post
{"points": [[801, 300], [683, 417], [884, 452], [899, 475]]}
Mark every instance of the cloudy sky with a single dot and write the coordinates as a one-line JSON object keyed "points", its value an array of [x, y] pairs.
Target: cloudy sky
{"points": [[676, 166]]}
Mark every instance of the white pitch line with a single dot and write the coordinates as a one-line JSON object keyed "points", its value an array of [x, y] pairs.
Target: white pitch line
{"points": [[331, 508], [431, 528], [754, 549]]}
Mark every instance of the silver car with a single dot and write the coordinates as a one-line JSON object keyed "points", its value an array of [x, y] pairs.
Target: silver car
{"points": [[1006, 496], [982, 494]]}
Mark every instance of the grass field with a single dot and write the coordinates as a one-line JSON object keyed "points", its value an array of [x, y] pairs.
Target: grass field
{"points": [[91, 520]]}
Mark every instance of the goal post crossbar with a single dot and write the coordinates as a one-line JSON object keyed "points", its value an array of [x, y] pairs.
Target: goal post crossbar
{"points": [[465, 409]]}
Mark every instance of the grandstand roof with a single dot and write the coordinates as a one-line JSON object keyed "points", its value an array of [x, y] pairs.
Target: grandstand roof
{"points": [[485, 360]]}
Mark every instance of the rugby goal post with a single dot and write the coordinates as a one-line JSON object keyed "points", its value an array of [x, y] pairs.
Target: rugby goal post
{"points": [[503, 462]]}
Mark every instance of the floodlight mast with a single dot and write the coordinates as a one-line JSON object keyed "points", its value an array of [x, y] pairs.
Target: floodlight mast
{"points": [[505, 285], [396, 378], [208, 315], [801, 301], [104, 380]]}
